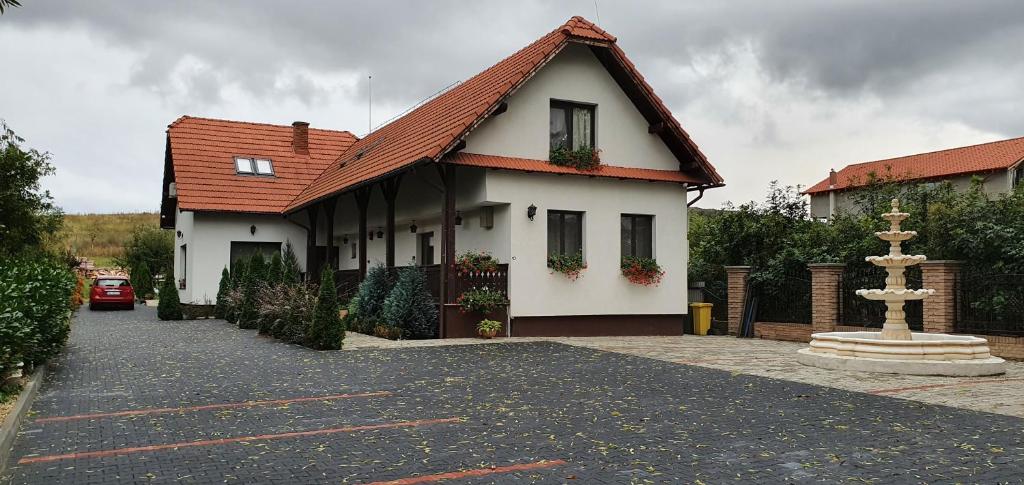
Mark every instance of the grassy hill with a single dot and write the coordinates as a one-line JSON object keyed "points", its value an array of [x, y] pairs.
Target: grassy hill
{"points": [[100, 237]]}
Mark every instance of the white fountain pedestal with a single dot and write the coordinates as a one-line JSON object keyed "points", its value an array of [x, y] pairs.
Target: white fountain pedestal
{"points": [[896, 350], [925, 354]]}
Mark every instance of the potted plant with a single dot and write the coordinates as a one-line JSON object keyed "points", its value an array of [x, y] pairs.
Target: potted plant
{"points": [[642, 271], [475, 262], [585, 159], [483, 300], [570, 266], [488, 328]]}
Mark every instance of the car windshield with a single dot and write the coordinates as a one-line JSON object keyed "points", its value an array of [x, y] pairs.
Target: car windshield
{"points": [[112, 283]]}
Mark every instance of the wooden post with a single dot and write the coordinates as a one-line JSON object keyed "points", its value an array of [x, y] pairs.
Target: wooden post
{"points": [[363, 201], [311, 264], [390, 189], [447, 237], [329, 206]]}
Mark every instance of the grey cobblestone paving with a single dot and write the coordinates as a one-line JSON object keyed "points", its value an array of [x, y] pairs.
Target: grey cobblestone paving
{"points": [[615, 418]]}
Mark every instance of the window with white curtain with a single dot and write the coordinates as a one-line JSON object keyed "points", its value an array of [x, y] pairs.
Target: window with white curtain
{"points": [[571, 125]]}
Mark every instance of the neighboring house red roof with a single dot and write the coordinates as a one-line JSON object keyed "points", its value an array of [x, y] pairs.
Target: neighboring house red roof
{"points": [[986, 157], [543, 166], [203, 153], [430, 131]]}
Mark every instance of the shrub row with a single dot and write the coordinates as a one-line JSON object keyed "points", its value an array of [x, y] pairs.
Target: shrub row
{"points": [[405, 309], [36, 302]]}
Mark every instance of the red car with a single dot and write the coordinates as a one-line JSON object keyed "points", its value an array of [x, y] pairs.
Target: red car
{"points": [[112, 291]]}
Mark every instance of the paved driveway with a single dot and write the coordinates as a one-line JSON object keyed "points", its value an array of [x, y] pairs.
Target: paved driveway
{"points": [[136, 400]]}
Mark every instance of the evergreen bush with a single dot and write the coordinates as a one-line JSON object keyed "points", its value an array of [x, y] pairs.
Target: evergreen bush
{"points": [[371, 295], [233, 301], [326, 331], [254, 275], [275, 270], [410, 305], [220, 310], [290, 266], [142, 282], [169, 307]]}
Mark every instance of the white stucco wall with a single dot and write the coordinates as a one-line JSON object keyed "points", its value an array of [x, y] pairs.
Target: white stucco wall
{"points": [[601, 289], [573, 75], [209, 237]]}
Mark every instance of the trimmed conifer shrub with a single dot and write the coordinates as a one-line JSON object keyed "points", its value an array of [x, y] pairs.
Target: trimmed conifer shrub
{"points": [[223, 288], [275, 271], [326, 332], [371, 295], [410, 306], [290, 266], [142, 281], [232, 304], [169, 307], [254, 276]]}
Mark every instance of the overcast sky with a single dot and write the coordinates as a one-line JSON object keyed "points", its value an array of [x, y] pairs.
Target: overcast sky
{"points": [[768, 90]]}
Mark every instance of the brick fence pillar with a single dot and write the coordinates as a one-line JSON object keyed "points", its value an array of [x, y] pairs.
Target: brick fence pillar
{"points": [[825, 279], [940, 308], [737, 280]]}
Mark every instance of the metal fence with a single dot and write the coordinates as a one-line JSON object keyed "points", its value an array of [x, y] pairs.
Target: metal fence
{"points": [[991, 304], [784, 298], [858, 311]]}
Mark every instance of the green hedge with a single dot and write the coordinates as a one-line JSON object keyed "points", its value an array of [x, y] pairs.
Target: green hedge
{"points": [[35, 310]]}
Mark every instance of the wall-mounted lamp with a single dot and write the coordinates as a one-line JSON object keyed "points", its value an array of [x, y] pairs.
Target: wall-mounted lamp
{"points": [[252, 230], [380, 234], [412, 227], [179, 234], [531, 211], [458, 218]]}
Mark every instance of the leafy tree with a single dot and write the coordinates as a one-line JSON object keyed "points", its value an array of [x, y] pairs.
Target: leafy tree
{"points": [[410, 305], [148, 245], [290, 265], [255, 274], [220, 309], [35, 310], [27, 213], [142, 281], [5, 4], [169, 307], [326, 332]]}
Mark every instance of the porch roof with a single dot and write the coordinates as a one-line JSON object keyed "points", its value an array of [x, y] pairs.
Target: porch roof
{"points": [[544, 166]]}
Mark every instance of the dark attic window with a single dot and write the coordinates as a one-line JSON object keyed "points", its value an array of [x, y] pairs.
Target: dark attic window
{"points": [[254, 166]]}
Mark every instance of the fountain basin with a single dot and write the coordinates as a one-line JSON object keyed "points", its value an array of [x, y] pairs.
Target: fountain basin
{"points": [[924, 354]]}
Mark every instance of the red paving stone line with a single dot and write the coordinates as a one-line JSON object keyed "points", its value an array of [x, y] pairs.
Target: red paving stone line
{"points": [[896, 390], [480, 472], [211, 406], [224, 441]]}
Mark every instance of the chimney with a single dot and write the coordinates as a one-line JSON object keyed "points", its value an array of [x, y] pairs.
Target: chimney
{"points": [[832, 179], [300, 137]]}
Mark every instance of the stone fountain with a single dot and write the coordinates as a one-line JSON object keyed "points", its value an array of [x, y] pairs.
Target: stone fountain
{"points": [[896, 349]]}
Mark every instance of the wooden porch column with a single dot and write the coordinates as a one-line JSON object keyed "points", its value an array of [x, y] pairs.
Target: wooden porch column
{"points": [[311, 273], [447, 237], [390, 189], [329, 206], [363, 201]]}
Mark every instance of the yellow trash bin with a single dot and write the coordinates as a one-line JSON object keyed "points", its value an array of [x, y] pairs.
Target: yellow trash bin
{"points": [[700, 313]]}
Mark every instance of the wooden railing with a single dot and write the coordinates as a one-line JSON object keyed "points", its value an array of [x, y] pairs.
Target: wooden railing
{"points": [[495, 280]]}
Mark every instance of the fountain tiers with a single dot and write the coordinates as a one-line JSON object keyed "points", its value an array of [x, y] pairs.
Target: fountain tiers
{"points": [[896, 349]]}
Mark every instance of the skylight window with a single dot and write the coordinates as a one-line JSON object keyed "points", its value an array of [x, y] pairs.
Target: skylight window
{"points": [[254, 166]]}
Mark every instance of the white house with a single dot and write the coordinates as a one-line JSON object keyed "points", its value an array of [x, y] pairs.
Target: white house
{"points": [[469, 170]]}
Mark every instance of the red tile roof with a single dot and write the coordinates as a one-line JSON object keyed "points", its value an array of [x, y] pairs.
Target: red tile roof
{"points": [[543, 166], [986, 157], [428, 132], [203, 151]]}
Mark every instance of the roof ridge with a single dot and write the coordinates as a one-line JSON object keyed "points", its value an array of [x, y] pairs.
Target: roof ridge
{"points": [[933, 152], [254, 123]]}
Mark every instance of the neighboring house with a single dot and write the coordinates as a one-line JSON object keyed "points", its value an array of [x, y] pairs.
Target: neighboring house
{"points": [[467, 170], [996, 164]]}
